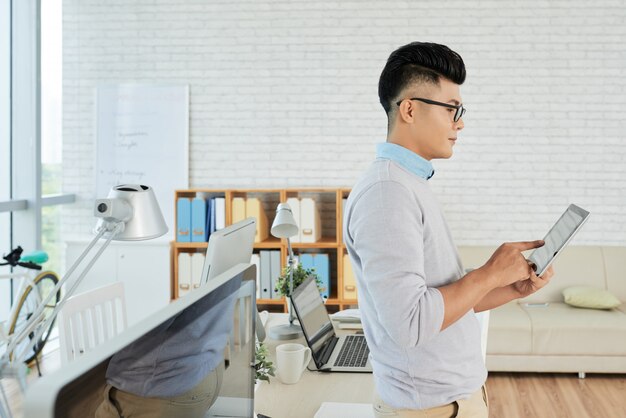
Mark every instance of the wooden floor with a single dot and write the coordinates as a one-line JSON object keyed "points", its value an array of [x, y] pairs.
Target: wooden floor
{"points": [[529, 395]]}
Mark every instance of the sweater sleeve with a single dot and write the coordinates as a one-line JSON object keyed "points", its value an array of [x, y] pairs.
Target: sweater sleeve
{"points": [[387, 229]]}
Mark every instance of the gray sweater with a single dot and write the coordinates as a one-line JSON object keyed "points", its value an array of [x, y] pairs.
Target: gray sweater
{"points": [[401, 251]]}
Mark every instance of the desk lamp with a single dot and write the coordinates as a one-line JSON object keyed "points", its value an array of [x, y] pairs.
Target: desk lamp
{"points": [[129, 213], [285, 226]]}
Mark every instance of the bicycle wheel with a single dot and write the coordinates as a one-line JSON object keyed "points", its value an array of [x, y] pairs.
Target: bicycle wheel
{"points": [[29, 301]]}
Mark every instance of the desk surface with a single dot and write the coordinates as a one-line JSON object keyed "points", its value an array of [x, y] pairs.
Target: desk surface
{"points": [[303, 399]]}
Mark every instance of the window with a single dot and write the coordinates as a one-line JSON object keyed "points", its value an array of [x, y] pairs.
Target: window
{"points": [[5, 145], [30, 170], [51, 132]]}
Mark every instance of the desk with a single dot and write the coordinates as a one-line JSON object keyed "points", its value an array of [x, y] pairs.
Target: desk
{"points": [[303, 399]]}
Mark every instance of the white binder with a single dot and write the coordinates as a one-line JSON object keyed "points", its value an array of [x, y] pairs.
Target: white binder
{"points": [[294, 204], [184, 273], [197, 263], [265, 274], [220, 213], [310, 223], [256, 260]]}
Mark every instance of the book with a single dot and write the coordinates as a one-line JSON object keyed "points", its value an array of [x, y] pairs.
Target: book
{"points": [[183, 219]]}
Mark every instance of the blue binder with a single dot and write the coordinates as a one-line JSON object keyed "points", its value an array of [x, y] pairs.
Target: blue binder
{"points": [[183, 219], [198, 220], [322, 268]]}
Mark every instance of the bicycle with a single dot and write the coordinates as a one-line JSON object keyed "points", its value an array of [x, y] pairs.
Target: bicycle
{"points": [[32, 290]]}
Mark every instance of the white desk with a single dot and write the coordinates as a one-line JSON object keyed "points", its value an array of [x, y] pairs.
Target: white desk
{"points": [[303, 399]]}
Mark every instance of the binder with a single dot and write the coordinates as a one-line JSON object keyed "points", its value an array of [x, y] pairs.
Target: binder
{"points": [[294, 204], [307, 261], [344, 202], [265, 274], [220, 213], [239, 209], [322, 268], [349, 281], [184, 273], [197, 263], [198, 220], [256, 260], [254, 208], [275, 273], [183, 219], [211, 216], [311, 230]]}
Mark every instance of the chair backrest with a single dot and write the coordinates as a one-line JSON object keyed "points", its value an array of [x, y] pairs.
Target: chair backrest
{"points": [[90, 318]]}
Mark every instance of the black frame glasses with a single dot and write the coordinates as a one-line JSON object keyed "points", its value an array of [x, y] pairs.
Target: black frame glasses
{"points": [[460, 110]]}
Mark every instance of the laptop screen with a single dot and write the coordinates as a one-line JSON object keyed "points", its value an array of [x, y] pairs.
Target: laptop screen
{"points": [[312, 314]]}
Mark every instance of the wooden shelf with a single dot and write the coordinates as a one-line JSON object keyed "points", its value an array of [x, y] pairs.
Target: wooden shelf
{"points": [[280, 301], [332, 243]]}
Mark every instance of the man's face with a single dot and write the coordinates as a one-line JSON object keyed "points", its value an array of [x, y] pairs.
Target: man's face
{"points": [[432, 129]]}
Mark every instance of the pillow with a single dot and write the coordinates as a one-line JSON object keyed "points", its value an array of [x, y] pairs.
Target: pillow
{"points": [[590, 297]]}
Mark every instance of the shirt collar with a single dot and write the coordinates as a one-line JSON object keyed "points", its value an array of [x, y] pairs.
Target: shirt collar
{"points": [[411, 161]]}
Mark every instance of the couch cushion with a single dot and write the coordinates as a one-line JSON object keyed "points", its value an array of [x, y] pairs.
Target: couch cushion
{"points": [[615, 264], [509, 330], [575, 266], [560, 329], [590, 297]]}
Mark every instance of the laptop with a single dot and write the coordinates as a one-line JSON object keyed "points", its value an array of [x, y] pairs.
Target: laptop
{"points": [[330, 353]]}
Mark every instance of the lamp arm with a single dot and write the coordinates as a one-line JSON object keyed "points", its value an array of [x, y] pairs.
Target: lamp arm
{"points": [[34, 318], [37, 317], [292, 316]]}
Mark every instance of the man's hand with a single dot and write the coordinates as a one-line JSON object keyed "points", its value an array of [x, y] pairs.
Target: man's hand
{"points": [[533, 283], [507, 265]]}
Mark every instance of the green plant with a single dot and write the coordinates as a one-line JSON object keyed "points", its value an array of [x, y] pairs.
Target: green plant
{"points": [[264, 368], [300, 274]]}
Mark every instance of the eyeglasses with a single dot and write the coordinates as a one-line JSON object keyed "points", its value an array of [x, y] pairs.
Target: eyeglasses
{"points": [[460, 110]]}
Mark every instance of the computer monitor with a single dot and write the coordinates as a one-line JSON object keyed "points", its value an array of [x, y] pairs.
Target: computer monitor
{"points": [[77, 390], [228, 247]]}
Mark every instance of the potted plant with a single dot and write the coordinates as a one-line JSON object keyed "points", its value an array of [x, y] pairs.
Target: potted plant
{"points": [[263, 367], [300, 274]]}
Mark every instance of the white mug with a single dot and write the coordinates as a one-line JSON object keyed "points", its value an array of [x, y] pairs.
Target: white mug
{"points": [[291, 360]]}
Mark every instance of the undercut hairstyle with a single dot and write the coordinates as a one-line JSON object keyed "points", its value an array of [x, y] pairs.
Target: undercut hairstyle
{"points": [[417, 62]]}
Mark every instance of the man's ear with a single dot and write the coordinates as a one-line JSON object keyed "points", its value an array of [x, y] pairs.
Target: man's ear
{"points": [[406, 111]]}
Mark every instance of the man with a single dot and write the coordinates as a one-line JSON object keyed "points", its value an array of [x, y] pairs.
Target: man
{"points": [[417, 304]]}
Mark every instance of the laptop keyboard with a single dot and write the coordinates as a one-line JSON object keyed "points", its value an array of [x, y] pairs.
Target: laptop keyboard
{"points": [[353, 353]]}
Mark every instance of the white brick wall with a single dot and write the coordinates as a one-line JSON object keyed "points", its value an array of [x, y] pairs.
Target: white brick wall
{"points": [[284, 93]]}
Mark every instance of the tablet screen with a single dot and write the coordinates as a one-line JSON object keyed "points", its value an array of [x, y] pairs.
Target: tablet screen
{"points": [[558, 236]]}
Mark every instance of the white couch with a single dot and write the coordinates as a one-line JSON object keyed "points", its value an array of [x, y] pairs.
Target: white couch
{"points": [[558, 337]]}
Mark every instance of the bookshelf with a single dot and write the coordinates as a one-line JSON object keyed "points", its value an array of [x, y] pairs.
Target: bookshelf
{"points": [[330, 206]]}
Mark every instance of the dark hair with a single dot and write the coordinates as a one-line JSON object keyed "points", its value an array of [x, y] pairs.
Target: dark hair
{"points": [[417, 62]]}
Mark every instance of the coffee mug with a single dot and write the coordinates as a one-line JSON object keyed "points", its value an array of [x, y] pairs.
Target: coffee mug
{"points": [[291, 360]]}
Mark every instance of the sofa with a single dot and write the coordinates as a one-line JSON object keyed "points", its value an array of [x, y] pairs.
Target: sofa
{"points": [[541, 333]]}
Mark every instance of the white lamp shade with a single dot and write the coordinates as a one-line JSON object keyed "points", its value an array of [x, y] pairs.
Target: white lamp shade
{"points": [[146, 220], [284, 225]]}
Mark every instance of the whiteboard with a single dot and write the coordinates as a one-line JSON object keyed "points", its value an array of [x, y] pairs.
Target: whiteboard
{"points": [[142, 137]]}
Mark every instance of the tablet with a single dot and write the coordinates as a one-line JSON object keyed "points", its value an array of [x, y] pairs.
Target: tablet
{"points": [[558, 237]]}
